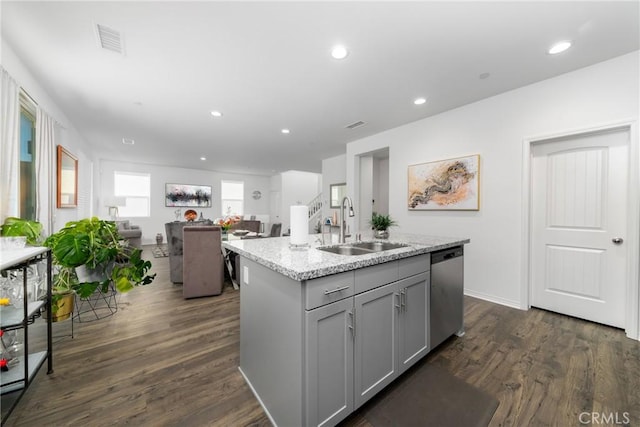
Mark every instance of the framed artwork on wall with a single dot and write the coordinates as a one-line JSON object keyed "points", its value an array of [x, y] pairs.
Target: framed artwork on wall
{"points": [[185, 195], [337, 192], [452, 184], [67, 188]]}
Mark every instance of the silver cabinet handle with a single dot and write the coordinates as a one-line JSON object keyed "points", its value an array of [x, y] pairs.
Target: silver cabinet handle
{"points": [[398, 302], [333, 291], [403, 299], [352, 326], [617, 240]]}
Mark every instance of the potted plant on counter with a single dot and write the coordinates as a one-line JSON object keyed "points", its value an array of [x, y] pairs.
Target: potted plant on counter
{"points": [[16, 227], [380, 224], [89, 255]]}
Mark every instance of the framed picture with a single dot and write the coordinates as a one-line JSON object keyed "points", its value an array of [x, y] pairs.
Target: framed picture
{"points": [[451, 184], [184, 195], [337, 191], [67, 188]]}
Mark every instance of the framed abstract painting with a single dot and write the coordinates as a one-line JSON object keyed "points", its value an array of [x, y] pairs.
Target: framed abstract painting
{"points": [[452, 184], [185, 195]]}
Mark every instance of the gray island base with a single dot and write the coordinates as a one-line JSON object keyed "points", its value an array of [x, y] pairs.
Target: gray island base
{"points": [[321, 333]]}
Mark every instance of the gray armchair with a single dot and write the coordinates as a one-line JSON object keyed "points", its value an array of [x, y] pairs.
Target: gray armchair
{"points": [[203, 272]]}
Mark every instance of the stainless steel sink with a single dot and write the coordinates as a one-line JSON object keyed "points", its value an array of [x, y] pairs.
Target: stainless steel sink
{"points": [[346, 250], [378, 246], [362, 248]]}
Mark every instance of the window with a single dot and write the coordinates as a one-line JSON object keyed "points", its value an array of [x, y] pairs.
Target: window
{"points": [[27, 158], [135, 189], [232, 196]]}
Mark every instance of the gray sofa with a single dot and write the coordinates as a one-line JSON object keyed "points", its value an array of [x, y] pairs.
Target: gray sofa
{"points": [[130, 233], [175, 242]]}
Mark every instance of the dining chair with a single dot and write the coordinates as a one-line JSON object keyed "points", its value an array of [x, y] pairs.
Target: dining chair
{"points": [[275, 230], [203, 268]]}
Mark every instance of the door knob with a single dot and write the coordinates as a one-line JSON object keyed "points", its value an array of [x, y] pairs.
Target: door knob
{"points": [[617, 240]]}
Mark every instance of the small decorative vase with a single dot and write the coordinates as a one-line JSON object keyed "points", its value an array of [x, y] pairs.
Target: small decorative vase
{"points": [[159, 239], [381, 234], [225, 235]]}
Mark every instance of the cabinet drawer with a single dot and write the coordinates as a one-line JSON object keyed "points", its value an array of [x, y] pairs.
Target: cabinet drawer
{"points": [[324, 290], [377, 275], [414, 265]]}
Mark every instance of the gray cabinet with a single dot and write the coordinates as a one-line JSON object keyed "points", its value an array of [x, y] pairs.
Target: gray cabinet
{"points": [[413, 324], [376, 336], [316, 350], [329, 362], [357, 346]]}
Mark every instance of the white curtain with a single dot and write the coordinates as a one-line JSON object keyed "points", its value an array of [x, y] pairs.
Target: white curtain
{"points": [[45, 170], [10, 147]]}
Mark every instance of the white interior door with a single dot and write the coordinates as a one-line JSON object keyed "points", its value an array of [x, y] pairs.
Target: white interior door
{"points": [[579, 221]]}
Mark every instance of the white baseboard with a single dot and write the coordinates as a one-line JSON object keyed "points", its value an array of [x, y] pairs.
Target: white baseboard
{"points": [[494, 299]]}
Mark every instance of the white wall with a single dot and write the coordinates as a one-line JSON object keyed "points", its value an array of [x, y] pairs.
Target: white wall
{"points": [[161, 175], [297, 187], [495, 128], [381, 185], [66, 135]]}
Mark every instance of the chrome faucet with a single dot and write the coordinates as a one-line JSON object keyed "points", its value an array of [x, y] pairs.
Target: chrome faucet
{"points": [[343, 222]]}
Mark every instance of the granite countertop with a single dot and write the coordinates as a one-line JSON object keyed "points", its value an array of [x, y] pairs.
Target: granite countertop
{"points": [[309, 262]]}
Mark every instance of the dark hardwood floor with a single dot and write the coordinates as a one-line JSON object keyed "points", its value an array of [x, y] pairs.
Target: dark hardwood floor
{"points": [[165, 361]]}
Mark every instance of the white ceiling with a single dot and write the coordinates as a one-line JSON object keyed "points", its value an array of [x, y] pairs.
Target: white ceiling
{"points": [[266, 66]]}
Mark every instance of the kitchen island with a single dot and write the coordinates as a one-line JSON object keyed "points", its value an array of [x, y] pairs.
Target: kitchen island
{"points": [[322, 333]]}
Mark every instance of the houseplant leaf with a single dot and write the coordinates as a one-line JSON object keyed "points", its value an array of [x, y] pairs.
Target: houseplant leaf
{"points": [[72, 250]]}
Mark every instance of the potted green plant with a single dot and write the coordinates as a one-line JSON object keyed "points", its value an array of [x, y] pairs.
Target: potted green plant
{"points": [[89, 254], [380, 224], [62, 297], [14, 227]]}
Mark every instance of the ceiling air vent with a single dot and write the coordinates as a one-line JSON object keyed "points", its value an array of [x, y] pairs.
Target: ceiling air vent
{"points": [[109, 39], [355, 125]]}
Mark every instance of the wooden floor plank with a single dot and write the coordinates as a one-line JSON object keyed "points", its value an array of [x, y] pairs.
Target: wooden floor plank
{"points": [[165, 361]]}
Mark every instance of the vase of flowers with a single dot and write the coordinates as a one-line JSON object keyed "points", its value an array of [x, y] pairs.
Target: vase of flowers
{"points": [[225, 224]]}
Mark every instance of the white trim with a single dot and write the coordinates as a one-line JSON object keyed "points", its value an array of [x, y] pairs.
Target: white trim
{"points": [[632, 328], [255, 393], [494, 299], [632, 321]]}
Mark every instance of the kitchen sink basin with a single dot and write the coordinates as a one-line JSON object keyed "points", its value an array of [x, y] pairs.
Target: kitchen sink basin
{"points": [[362, 248], [346, 250], [378, 246]]}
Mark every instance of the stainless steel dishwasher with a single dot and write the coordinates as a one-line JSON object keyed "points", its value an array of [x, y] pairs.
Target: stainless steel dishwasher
{"points": [[447, 292]]}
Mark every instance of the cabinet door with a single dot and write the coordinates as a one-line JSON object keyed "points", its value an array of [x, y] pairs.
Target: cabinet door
{"points": [[413, 331], [376, 328], [329, 363]]}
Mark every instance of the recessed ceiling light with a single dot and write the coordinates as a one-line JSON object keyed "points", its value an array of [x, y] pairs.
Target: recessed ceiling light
{"points": [[216, 114], [339, 52], [285, 131], [128, 141], [559, 47], [203, 158], [419, 101], [484, 76]]}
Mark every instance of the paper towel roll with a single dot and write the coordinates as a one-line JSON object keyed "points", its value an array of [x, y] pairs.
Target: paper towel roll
{"points": [[299, 218]]}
